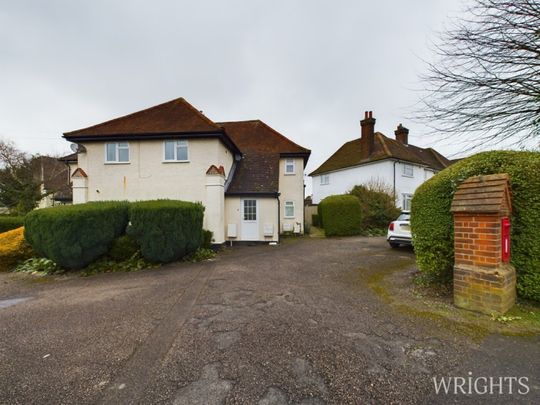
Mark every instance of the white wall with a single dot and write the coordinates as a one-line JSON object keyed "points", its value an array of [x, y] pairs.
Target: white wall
{"points": [[342, 181], [267, 214], [147, 176]]}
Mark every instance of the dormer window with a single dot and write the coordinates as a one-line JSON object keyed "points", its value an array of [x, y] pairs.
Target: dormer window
{"points": [[289, 166], [117, 152], [176, 151]]}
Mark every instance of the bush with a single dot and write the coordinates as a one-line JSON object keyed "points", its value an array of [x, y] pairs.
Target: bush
{"points": [[432, 222], [378, 206], [166, 229], [73, 236], [7, 223], [39, 265], [342, 215], [315, 220], [123, 248], [207, 239], [13, 249]]}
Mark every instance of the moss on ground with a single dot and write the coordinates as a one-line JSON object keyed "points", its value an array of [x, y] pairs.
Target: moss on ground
{"points": [[394, 284]]}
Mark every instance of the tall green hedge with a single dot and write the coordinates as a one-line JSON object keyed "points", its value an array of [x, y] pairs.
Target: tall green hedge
{"points": [[73, 236], [341, 215], [166, 229], [432, 222], [7, 223]]}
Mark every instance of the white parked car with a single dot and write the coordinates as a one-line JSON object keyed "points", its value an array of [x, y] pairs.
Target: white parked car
{"points": [[399, 231]]}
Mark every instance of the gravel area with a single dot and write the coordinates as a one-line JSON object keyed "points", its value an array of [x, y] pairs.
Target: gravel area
{"points": [[291, 324]]}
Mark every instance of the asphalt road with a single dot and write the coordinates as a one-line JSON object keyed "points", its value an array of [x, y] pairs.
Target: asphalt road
{"points": [[295, 323]]}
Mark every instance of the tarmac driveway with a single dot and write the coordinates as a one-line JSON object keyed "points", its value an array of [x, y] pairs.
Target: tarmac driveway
{"points": [[295, 323]]}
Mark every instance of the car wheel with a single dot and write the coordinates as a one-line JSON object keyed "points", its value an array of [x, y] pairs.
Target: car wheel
{"points": [[393, 245]]}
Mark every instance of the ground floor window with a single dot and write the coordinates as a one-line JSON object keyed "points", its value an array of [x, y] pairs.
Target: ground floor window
{"points": [[250, 210], [406, 206], [289, 209]]}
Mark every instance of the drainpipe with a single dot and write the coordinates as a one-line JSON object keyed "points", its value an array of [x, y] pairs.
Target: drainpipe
{"points": [[395, 161], [278, 216]]}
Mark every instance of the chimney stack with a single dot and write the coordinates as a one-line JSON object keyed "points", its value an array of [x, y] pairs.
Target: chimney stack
{"points": [[402, 134], [367, 141]]}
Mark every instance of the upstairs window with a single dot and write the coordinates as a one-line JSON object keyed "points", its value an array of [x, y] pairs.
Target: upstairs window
{"points": [[289, 209], [176, 151], [117, 152], [408, 170], [289, 166], [325, 179]]}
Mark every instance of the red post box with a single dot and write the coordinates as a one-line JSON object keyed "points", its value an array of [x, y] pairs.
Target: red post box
{"points": [[505, 239]]}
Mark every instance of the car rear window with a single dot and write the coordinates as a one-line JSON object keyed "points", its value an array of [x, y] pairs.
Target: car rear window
{"points": [[404, 216]]}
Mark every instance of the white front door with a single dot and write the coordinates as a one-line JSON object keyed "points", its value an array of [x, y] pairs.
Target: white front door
{"points": [[250, 219]]}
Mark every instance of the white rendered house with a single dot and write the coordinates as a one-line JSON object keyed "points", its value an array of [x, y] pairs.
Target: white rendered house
{"points": [[376, 158], [248, 176]]}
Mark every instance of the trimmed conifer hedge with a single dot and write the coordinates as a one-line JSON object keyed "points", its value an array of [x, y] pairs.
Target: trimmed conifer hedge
{"points": [[340, 215], [73, 236], [432, 221], [7, 223], [166, 230]]}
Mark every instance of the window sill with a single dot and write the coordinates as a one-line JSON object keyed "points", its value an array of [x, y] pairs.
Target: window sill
{"points": [[175, 161], [409, 176], [293, 217], [117, 163], [290, 174]]}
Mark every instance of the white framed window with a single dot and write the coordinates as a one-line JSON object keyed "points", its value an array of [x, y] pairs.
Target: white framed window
{"points": [[175, 151], [289, 166], [325, 179], [250, 210], [406, 206], [408, 170], [117, 152], [289, 209]]}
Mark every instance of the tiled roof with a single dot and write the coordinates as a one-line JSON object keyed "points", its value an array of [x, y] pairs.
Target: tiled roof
{"points": [[176, 116], [385, 148], [262, 147], [256, 136]]}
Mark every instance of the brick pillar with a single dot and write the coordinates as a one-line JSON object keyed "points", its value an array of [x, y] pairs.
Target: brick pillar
{"points": [[482, 281]]}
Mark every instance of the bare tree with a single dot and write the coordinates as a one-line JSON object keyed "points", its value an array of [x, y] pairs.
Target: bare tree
{"points": [[485, 85], [25, 179]]}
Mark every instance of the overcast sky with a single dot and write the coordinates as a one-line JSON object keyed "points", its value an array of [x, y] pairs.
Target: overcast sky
{"points": [[307, 68]]}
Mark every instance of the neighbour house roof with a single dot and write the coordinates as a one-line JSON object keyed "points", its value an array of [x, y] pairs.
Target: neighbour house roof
{"points": [[71, 158], [262, 147], [350, 155]]}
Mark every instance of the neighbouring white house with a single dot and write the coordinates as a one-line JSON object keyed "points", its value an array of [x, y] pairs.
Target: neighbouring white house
{"points": [[248, 176], [376, 158]]}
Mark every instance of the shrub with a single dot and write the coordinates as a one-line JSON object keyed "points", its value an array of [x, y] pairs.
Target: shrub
{"points": [[7, 223], [13, 249], [166, 229], [378, 206], [315, 220], [123, 248], [207, 239], [75, 235], [39, 265], [342, 215], [432, 222]]}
